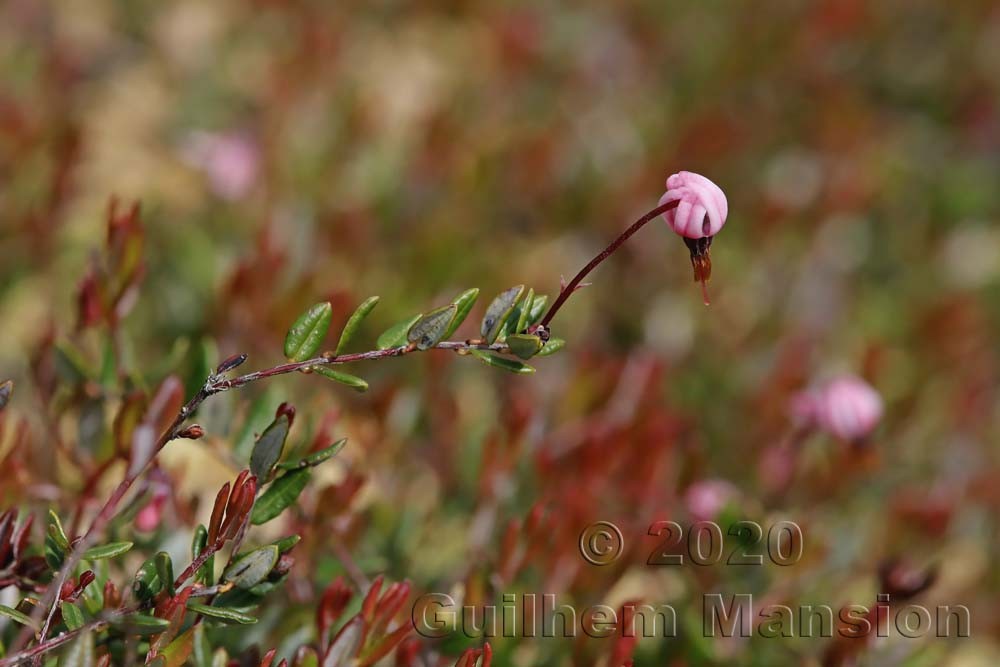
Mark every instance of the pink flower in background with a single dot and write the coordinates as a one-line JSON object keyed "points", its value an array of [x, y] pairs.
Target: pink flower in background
{"points": [[700, 213], [702, 209], [150, 516], [847, 407], [229, 160], [706, 498]]}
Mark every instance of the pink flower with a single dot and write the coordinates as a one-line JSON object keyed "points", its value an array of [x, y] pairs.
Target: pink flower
{"points": [[706, 498], [699, 215], [229, 160], [149, 517], [847, 407], [702, 209]]}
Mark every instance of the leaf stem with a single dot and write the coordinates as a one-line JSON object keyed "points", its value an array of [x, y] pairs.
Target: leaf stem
{"points": [[571, 286]]}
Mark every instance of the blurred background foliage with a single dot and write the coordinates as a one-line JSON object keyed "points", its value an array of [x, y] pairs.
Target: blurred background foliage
{"points": [[289, 152]]}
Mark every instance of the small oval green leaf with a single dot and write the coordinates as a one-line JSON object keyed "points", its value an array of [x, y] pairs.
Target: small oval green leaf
{"points": [[537, 308], [524, 346], [285, 544], [57, 532], [518, 319], [431, 328], [267, 450], [141, 624], [279, 495], [307, 333], [352, 381], [222, 613], [354, 323], [54, 553], [109, 550], [498, 312], [165, 571], [315, 458], [463, 306], [199, 541], [253, 568], [72, 616], [551, 347], [16, 616], [147, 582], [510, 365], [395, 336]]}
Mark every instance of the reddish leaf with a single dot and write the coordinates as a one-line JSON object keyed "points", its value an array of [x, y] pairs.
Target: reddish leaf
{"points": [[20, 539], [218, 511], [268, 658], [387, 643], [346, 644], [371, 599], [406, 654], [335, 599]]}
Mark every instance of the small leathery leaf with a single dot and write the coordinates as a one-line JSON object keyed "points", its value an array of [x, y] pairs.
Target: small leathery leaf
{"points": [[517, 321], [72, 616], [222, 613], [165, 571], [524, 311], [315, 458], [352, 381], [16, 616], [146, 583], [141, 624], [524, 346], [354, 323], [511, 365], [537, 308], [307, 333], [253, 568], [463, 302], [431, 328], [552, 346], [395, 336], [109, 550], [498, 312], [268, 448], [279, 495]]}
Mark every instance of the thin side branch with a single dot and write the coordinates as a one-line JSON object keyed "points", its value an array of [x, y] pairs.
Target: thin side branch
{"points": [[571, 286]]}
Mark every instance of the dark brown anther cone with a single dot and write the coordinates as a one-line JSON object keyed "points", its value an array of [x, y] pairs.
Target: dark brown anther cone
{"points": [[701, 261]]}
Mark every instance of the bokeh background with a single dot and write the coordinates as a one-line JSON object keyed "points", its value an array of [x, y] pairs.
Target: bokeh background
{"points": [[289, 152]]}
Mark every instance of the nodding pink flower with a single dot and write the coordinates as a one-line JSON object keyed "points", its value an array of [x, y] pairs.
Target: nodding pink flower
{"points": [[847, 407], [699, 215], [706, 498]]}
